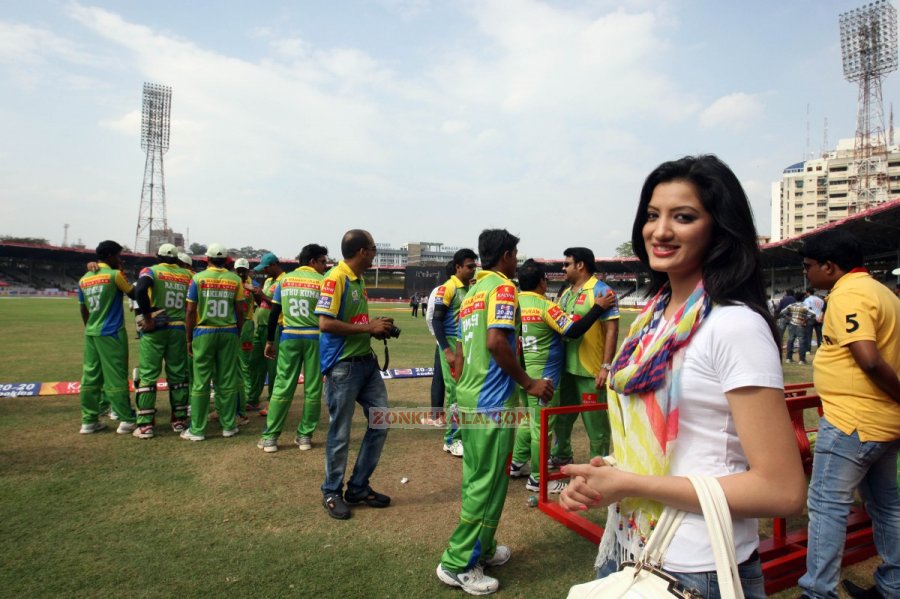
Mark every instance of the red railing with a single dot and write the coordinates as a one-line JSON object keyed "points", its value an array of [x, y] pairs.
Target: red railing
{"points": [[783, 555]]}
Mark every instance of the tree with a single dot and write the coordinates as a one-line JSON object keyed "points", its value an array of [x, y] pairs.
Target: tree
{"points": [[197, 249], [624, 250]]}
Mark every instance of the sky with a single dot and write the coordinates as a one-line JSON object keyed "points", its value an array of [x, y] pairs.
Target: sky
{"points": [[418, 120]]}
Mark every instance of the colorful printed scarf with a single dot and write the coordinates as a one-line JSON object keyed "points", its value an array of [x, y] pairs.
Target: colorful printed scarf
{"points": [[643, 411]]}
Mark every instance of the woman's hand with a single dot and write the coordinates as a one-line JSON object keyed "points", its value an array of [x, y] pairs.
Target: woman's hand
{"points": [[592, 485]]}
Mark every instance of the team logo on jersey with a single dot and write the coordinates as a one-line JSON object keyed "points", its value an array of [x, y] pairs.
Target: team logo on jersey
{"points": [[359, 319], [328, 286], [324, 302], [355, 295], [504, 312], [506, 293], [580, 299]]}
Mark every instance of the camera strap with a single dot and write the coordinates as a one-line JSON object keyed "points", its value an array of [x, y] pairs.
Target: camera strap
{"points": [[387, 357]]}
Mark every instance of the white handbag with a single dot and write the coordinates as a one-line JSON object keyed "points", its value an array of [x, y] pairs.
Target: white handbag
{"points": [[645, 578]]}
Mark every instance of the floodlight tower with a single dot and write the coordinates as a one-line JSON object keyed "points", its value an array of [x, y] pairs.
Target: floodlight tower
{"points": [[152, 224], [869, 52]]}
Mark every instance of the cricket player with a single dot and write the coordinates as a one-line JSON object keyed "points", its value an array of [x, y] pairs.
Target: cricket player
{"points": [[296, 296], [485, 394], [162, 287], [262, 369], [445, 324], [215, 314], [242, 269], [545, 326], [105, 363], [588, 359]]}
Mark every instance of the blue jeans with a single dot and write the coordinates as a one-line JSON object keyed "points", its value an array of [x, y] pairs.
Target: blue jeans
{"points": [[798, 333], [707, 583], [347, 384], [841, 464]]}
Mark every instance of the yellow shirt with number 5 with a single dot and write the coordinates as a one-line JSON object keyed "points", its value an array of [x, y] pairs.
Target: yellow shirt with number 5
{"points": [[859, 309]]}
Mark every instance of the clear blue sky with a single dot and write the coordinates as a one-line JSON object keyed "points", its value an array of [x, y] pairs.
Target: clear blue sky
{"points": [[418, 120]]}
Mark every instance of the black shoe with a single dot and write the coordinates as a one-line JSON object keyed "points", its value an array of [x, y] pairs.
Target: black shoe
{"points": [[857, 592], [371, 499], [335, 506]]}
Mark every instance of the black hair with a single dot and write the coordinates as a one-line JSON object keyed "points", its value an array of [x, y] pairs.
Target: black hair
{"points": [[450, 269], [838, 246], [493, 243], [108, 249], [353, 241], [530, 275], [790, 292], [579, 254], [311, 252], [461, 256], [218, 262], [731, 269]]}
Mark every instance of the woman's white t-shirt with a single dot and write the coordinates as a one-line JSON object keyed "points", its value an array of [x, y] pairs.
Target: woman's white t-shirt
{"points": [[733, 348]]}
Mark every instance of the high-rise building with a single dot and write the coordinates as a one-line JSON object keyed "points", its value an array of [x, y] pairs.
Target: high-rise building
{"points": [[819, 191]]}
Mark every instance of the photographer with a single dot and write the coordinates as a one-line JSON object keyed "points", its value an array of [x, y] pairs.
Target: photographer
{"points": [[351, 374]]}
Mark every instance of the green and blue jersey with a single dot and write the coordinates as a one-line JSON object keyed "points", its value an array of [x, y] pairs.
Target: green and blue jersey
{"points": [[101, 293], [490, 304], [543, 326], [343, 296]]}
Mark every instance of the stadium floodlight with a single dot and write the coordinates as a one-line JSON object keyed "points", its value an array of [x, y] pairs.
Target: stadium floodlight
{"points": [[869, 52], [869, 40], [153, 226]]}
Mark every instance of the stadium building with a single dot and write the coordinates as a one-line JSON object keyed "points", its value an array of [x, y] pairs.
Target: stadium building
{"points": [[820, 191]]}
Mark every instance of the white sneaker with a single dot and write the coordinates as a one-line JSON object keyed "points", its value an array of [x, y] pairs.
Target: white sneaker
{"points": [[189, 436], [500, 557], [231, 432], [455, 449], [303, 442], [113, 415], [145, 431], [92, 427], [268, 445], [554, 487], [126, 428], [473, 581]]}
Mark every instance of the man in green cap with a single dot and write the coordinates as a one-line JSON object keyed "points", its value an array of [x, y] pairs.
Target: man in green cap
{"points": [[261, 368]]}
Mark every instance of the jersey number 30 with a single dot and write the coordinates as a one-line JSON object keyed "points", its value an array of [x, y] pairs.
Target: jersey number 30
{"points": [[217, 308]]}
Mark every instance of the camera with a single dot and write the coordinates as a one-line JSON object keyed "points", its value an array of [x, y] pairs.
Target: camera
{"points": [[394, 332]]}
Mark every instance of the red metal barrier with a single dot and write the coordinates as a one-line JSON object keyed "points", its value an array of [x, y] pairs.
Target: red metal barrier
{"points": [[576, 522], [783, 555]]}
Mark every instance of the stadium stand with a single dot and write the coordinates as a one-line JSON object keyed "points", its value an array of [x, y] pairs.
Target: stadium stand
{"points": [[35, 269]]}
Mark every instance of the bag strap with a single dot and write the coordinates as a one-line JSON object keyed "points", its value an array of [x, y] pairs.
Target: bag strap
{"points": [[721, 534], [662, 535]]}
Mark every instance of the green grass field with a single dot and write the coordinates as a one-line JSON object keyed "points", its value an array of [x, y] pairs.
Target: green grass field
{"points": [[109, 515]]}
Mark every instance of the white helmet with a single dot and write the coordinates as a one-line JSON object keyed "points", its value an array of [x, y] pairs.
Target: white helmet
{"points": [[216, 250], [185, 258], [167, 250], [242, 263]]}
